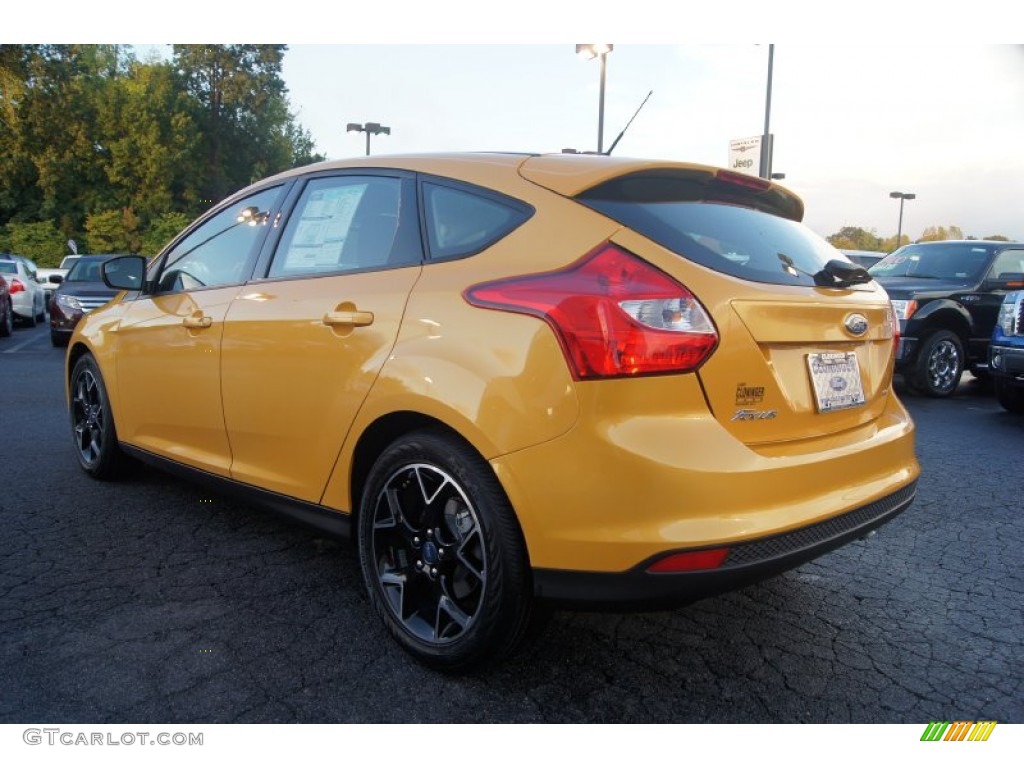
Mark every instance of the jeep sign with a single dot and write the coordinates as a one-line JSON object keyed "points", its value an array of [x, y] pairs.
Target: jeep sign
{"points": [[745, 155]]}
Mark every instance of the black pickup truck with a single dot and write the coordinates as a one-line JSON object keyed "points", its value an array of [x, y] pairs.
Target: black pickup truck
{"points": [[946, 295]]}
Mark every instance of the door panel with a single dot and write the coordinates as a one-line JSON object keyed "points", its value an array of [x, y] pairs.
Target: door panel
{"points": [[168, 357], [299, 357], [168, 364]]}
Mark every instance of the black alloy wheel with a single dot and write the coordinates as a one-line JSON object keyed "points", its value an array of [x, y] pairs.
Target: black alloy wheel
{"points": [[92, 423], [442, 554], [940, 364]]}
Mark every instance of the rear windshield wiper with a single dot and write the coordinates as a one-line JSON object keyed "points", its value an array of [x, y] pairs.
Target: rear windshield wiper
{"points": [[837, 273]]}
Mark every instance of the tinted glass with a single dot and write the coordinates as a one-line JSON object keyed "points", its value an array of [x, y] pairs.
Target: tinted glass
{"points": [[726, 238], [218, 251], [935, 261], [85, 271], [340, 224], [8, 267], [461, 223]]}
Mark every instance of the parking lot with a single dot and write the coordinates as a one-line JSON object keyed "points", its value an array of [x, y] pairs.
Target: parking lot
{"points": [[155, 601]]}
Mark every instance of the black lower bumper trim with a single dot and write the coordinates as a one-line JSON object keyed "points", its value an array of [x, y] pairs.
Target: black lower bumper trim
{"points": [[748, 562]]}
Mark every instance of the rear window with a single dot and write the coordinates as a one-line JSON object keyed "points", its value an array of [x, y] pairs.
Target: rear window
{"points": [[937, 261], [734, 240], [8, 267]]}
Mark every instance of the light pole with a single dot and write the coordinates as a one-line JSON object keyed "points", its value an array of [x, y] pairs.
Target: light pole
{"points": [[765, 171], [368, 129], [592, 51], [901, 196]]}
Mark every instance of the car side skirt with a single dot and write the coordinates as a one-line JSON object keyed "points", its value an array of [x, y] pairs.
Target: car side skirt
{"points": [[329, 521], [748, 562]]}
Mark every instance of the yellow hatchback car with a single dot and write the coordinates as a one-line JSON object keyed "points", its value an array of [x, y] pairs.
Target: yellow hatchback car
{"points": [[511, 378]]}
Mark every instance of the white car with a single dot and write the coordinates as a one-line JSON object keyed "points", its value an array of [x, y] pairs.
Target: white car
{"points": [[27, 295]]}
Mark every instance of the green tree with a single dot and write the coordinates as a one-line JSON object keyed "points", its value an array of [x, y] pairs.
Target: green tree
{"points": [[932, 234], [114, 231], [154, 167], [889, 244], [855, 238], [242, 109], [161, 231], [39, 241]]}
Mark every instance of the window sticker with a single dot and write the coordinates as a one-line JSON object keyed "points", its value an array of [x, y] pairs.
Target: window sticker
{"points": [[323, 226]]}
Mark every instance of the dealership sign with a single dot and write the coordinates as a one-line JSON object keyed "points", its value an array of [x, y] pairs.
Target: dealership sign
{"points": [[745, 155]]}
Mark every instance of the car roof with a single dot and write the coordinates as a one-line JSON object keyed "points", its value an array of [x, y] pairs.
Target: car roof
{"points": [[563, 173]]}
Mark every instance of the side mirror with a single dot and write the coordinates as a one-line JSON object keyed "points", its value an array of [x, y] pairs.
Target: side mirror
{"points": [[1006, 281], [125, 273], [56, 279]]}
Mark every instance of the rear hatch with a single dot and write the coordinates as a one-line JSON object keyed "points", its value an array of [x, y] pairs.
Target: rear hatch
{"points": [[794, 360]]}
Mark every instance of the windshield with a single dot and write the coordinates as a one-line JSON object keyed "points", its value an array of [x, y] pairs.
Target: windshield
{"points": [[738, 241], [85, 271], [960, 262]]}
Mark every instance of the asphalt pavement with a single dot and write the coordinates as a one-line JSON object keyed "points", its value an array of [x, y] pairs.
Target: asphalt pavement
{"points": [[153, 600]]}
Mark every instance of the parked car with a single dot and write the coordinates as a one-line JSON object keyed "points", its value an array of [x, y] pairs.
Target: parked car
{"points": [[81, 291], [865, 258], [49, 278], [1006, 355], [6, 309], [946, 295], [26, 293], [512, 378]]}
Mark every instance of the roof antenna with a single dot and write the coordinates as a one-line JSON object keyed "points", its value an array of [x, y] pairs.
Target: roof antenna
{"points": [[619, 137]]}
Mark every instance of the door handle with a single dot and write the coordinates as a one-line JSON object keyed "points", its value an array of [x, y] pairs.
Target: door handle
{"points": [[351, 317], [197, 321]]}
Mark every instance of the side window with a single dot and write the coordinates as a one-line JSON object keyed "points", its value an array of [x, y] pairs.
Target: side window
{"points": [[1006, 263], [341, 224], [218, 251], [461, 223]]}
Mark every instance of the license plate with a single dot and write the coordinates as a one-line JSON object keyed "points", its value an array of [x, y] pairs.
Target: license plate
{"points": [[836, 380]]}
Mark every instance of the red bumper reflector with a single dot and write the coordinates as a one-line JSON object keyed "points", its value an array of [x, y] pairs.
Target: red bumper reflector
{"points": [[702, 560]]}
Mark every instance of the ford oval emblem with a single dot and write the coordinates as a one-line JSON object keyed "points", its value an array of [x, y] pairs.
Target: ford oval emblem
{"points": [[837, 383], [857, 325]]}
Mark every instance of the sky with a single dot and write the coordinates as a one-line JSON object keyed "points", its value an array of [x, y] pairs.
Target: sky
{"points": [[933, 106]]}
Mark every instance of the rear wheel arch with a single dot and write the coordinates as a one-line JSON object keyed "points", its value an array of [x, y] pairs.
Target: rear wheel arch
{"points": [[381, 434], [949, 317]]}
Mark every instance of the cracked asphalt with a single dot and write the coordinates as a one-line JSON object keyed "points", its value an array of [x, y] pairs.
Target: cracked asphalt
{"points": [[153, 600]]}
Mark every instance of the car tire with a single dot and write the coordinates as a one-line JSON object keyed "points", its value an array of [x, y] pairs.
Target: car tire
{"points": [[940, 364], [30, 321], [7, 322], [92, 423], [1009, 396], [58, 340], [41, 316], [442, 554]]}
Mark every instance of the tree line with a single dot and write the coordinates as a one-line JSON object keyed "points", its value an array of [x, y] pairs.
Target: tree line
{"points": [[120, 154], [859, 239]]}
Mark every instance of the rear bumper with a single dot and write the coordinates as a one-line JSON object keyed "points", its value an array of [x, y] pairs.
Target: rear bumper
{"points": [[747, 563]]}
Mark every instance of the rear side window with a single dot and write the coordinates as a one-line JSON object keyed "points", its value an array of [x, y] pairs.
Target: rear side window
{"points": [[739, 241], [461, 222]]}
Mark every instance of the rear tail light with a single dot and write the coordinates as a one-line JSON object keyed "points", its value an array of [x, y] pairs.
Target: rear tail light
{"points": [[16, 285], [614, 315]]}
